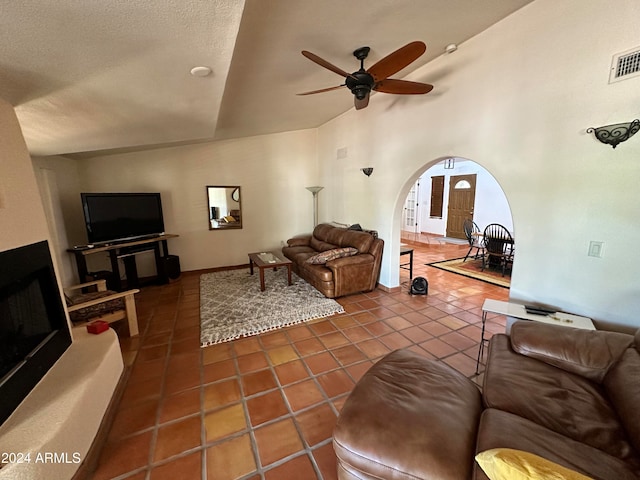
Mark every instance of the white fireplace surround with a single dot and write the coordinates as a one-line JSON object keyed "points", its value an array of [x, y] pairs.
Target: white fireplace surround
{"points": [[57, 422]]}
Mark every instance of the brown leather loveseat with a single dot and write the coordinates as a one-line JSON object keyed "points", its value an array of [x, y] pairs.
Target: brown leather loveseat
{"points": [[569, 396], [350, 260]]}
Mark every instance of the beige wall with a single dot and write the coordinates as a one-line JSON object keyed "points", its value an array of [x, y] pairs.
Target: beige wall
{"points": [[272, 171], [517, 99], [22, 220], [59, 185]]}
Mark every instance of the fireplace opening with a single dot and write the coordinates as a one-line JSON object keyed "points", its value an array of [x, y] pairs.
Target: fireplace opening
{"points": [[33, 328]]}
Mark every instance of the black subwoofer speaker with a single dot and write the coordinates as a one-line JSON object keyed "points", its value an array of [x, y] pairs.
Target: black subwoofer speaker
{"points": [[172, 266]]}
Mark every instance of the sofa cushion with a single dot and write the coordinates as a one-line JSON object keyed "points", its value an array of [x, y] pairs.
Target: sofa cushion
{"points": [[409, 417], [341, 237], [333, 235], [321, 246], [500, 429], [323, 257], [510, 464], [566, 403], [588, 353], [622, 384], [360, 240], [300, 241], [298, 254]]}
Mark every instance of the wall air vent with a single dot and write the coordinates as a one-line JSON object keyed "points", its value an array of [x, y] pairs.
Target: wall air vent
{"points": [[625, 65]]}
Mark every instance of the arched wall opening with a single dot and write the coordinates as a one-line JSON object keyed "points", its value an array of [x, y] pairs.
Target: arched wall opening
{"points": [[436, 166]]}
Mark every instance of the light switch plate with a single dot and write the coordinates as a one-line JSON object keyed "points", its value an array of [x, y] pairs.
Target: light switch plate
{"points": [[595, 249]]}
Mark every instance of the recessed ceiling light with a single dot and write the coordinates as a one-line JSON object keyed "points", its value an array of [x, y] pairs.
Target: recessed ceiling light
{"points": [[200, 71]]}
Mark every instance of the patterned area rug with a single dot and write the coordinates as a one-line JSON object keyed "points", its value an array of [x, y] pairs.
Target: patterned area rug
{"points": [[232, 305], [472, 268]]}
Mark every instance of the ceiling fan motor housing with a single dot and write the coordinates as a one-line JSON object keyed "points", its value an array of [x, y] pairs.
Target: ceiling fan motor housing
{"points": [[360, 83]]}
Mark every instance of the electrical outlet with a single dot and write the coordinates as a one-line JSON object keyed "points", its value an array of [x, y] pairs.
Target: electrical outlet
{"points": [[595, 249]]}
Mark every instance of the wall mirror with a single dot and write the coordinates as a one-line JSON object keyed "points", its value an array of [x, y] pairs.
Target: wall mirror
{"points": [[225, 207]]}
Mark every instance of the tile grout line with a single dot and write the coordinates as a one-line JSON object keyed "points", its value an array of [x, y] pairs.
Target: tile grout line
{"points": [[280, 388]]}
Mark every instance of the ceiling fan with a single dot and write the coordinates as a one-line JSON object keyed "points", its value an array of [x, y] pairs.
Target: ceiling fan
{"points": [[377, 76]]}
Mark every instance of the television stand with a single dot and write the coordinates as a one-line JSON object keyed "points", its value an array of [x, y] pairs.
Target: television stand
{"points": [[127, 251]]}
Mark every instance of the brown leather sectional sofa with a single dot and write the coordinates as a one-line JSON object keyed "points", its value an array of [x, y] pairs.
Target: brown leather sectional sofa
{"points": [[341, 276], [570, 396]]}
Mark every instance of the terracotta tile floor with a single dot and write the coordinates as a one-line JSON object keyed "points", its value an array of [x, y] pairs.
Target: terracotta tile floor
{"points": [[264, 407]]}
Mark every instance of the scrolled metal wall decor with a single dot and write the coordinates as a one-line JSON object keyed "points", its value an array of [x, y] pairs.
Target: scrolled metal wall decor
{"points": [[616, 133]]}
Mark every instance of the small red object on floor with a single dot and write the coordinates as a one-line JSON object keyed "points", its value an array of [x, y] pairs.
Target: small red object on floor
{"points": [[97, 326]]}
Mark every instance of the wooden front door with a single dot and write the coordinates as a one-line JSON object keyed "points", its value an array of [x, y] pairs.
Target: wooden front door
{"points": [[462, 196]]}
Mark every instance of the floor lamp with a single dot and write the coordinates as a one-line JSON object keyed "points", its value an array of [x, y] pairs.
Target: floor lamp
{"points": [[314, 191]]}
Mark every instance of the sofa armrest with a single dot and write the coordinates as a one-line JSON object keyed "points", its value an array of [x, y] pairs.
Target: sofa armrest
{"points": [[299, 241], [345, 262], [588, 353], [353, 274]]}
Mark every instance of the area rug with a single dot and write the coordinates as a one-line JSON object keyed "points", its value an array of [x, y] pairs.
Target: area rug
{"points": [[472, 268], [232, 305]]}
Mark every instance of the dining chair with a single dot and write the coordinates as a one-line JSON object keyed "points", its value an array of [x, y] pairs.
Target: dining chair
{"points": [[472, 232], [499, 246]]}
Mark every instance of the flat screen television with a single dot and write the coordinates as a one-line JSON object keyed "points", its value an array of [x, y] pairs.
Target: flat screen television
{"points": [[122, 216]]}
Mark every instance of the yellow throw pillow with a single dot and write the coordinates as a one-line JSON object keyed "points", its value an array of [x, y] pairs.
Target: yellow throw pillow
{"points": [[510, 464]]}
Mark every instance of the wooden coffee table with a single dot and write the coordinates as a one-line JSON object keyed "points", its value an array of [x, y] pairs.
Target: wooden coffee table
{"points": [[264, 260]]}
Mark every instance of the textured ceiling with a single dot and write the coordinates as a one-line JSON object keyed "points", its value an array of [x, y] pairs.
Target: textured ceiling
{"points": [[95, 75]]}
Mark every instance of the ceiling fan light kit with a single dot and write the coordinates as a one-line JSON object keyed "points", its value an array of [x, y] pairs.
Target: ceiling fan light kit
{"points": [[376, 78]]}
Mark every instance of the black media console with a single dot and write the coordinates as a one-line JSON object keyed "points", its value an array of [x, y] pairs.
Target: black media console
{"points": [[166, 264]]}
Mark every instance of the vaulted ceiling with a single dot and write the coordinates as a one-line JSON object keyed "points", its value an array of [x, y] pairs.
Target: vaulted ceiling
{"points": [[100, 75]]}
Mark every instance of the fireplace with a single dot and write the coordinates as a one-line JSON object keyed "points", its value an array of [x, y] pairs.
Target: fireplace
{"points": [[34, 331]]}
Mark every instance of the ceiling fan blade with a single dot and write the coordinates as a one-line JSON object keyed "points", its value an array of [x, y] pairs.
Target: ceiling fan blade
{"points": [[323, 63], [396, 61], [360, 104], [321, 90], [402, 87]]}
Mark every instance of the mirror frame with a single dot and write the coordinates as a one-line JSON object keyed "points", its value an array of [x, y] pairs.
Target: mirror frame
{"points": [[233, 195]]}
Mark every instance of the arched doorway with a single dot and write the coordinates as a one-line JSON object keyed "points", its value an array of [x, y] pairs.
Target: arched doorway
{"points": [[444, 193], [467, 190]]}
